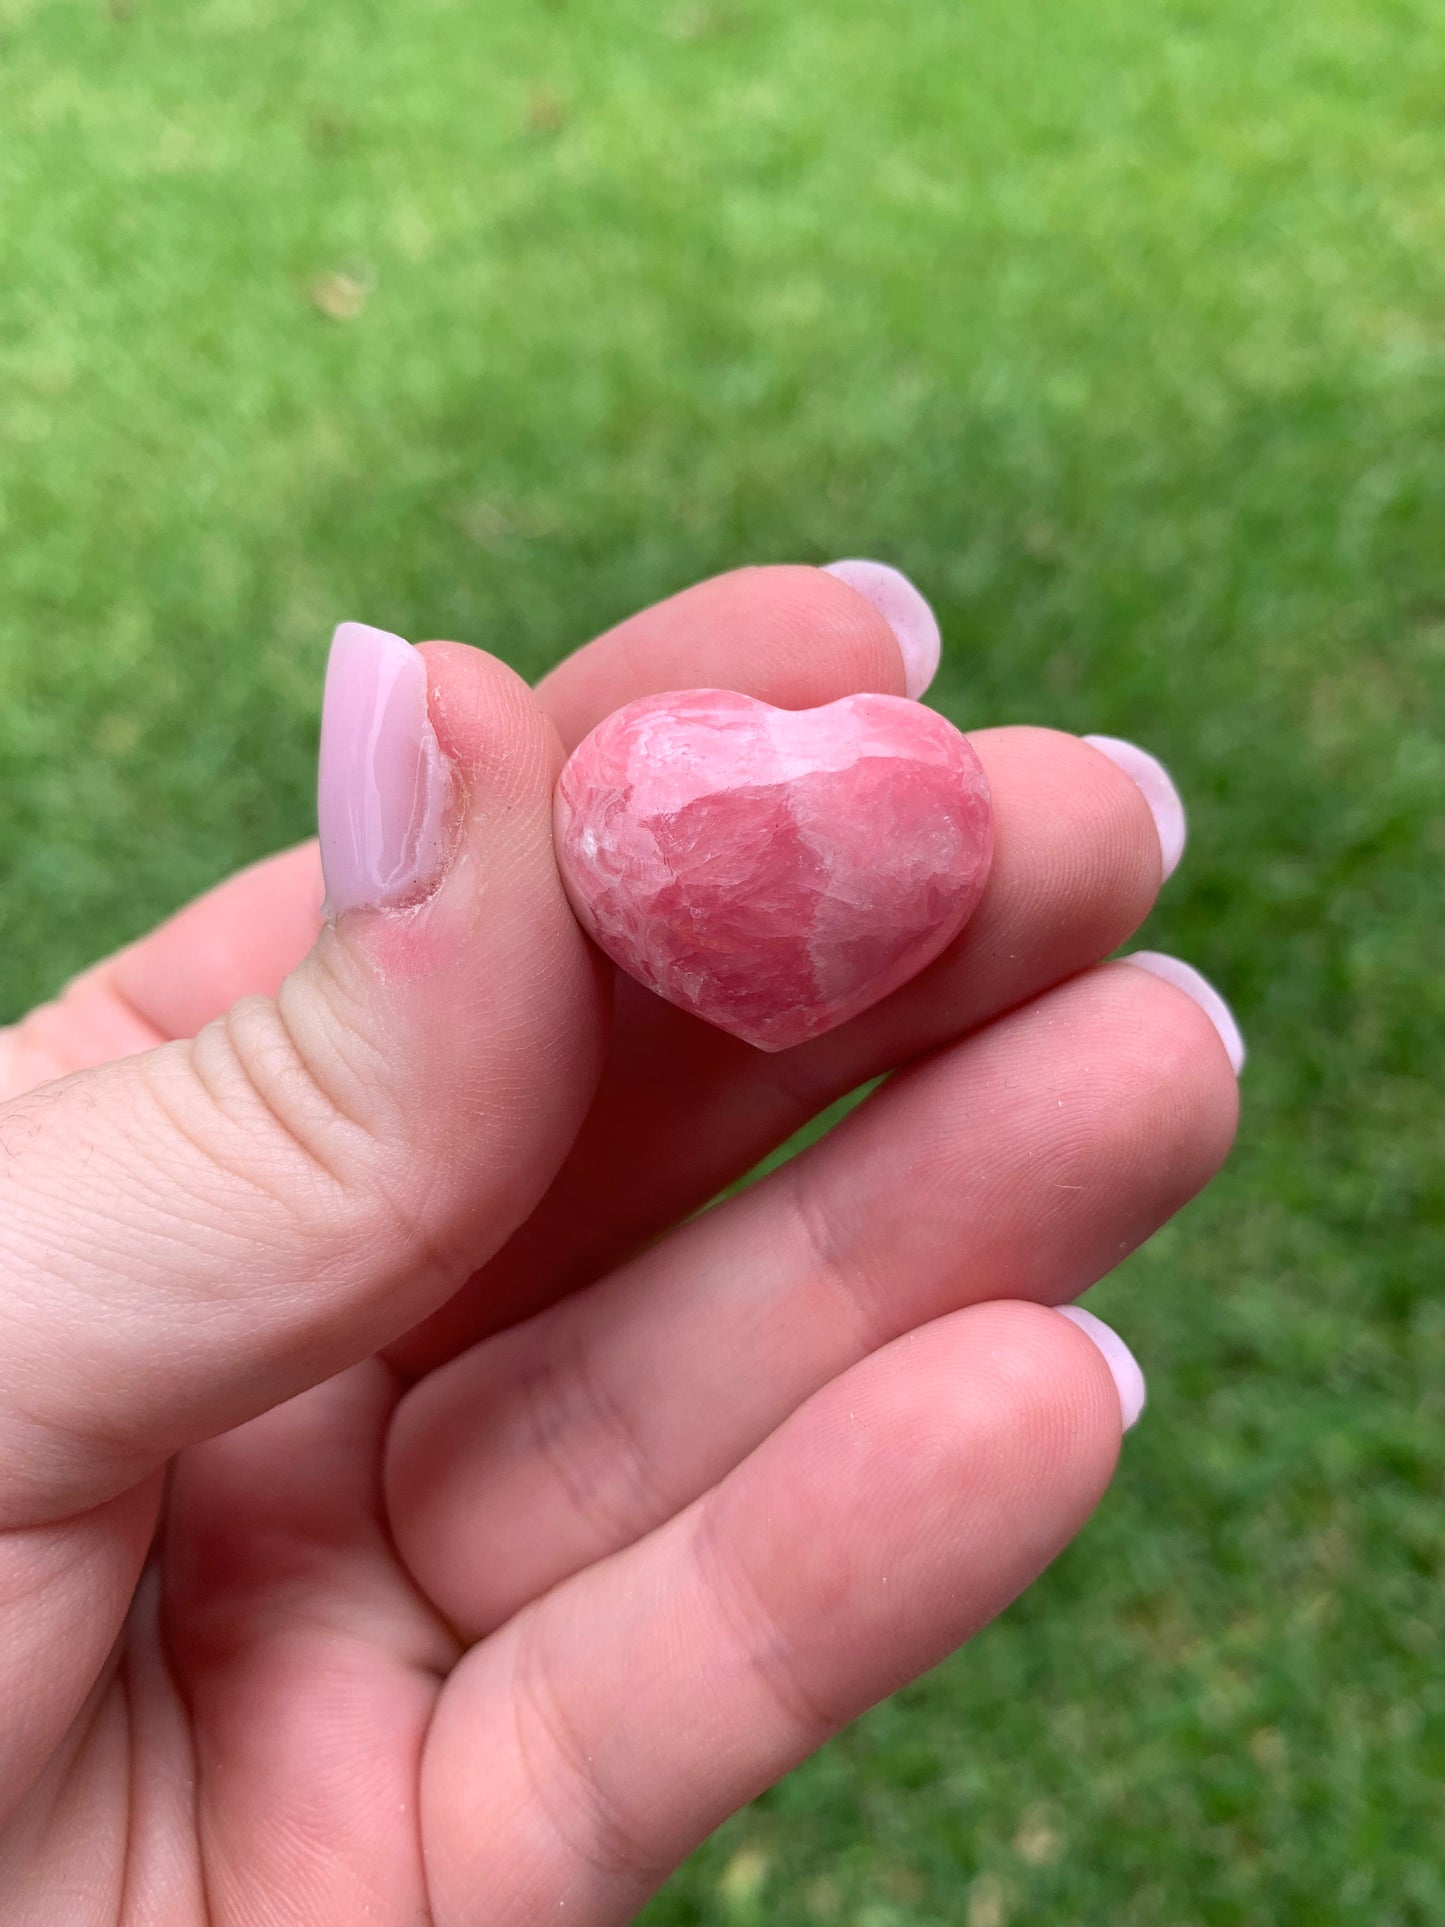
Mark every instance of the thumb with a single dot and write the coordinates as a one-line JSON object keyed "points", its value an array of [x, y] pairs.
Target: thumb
{"points": [[193, 1234]]}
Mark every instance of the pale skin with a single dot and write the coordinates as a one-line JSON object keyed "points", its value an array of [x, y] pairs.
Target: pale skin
{"points": [[404, 1514]]}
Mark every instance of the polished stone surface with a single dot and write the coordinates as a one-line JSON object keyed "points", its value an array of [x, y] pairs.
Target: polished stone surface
{"points": [[773, 871]]}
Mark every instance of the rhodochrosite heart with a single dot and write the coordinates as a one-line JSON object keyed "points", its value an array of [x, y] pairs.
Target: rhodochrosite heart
{"points": [[774, 871]]}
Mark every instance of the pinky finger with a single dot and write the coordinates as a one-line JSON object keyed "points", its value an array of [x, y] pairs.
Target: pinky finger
{"points": [[579, 1754]]}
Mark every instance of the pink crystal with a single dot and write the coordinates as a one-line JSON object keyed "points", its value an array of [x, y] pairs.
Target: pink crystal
{"points": [[773, 871]]}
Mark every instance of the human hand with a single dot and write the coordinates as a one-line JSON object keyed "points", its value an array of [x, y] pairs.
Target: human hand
{"points": [[404, 1513]]}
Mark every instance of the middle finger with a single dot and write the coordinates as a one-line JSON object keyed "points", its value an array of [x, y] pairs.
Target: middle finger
{"points": [[684, 1109]]}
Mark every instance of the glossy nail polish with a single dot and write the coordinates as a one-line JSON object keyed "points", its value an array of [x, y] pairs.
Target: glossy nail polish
{"points": [[1160, 794], [1123, 1366], [905, 612], [382, 784], [1185, 977]]}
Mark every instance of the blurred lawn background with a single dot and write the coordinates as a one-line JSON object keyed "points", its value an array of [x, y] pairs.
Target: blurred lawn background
{"points": [[1122, 329]]}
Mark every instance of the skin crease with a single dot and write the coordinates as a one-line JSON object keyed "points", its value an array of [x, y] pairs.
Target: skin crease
{"points": [[333, 1687]]}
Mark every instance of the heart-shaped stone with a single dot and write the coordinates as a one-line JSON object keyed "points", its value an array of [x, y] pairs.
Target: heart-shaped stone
{"points": [[773, 871]]}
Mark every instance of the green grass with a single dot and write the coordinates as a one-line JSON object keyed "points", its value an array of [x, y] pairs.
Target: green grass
{"points": [[1122, 328]]}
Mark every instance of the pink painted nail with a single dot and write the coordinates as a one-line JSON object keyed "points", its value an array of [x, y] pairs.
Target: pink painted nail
{"points": [[1185, 977], [905, 612], [381, 790], [1159, 793], [1121, 1362]]}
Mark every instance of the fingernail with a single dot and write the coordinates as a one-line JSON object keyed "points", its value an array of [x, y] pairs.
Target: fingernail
{"points": [[1186, 978], [905, 612], [382, 784], [1159, 793], [1123, 1365]]}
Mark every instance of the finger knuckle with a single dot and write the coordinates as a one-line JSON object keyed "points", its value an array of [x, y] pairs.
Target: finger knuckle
{"points": [[254, 1105], [591, 1439], [589, 1818], [757, 1631]]}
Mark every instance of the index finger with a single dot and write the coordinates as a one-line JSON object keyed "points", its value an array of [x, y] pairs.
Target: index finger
{"points": [[789, 635], [793, 637]]}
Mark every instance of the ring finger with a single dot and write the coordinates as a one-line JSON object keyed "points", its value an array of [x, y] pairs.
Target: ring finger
{"points": [[1021, 1163]]}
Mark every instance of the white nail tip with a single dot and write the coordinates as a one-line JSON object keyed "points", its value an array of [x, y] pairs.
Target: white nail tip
{"points": [[1122, 1364], [1165, 803], [1185, 977], [906, 613]]}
